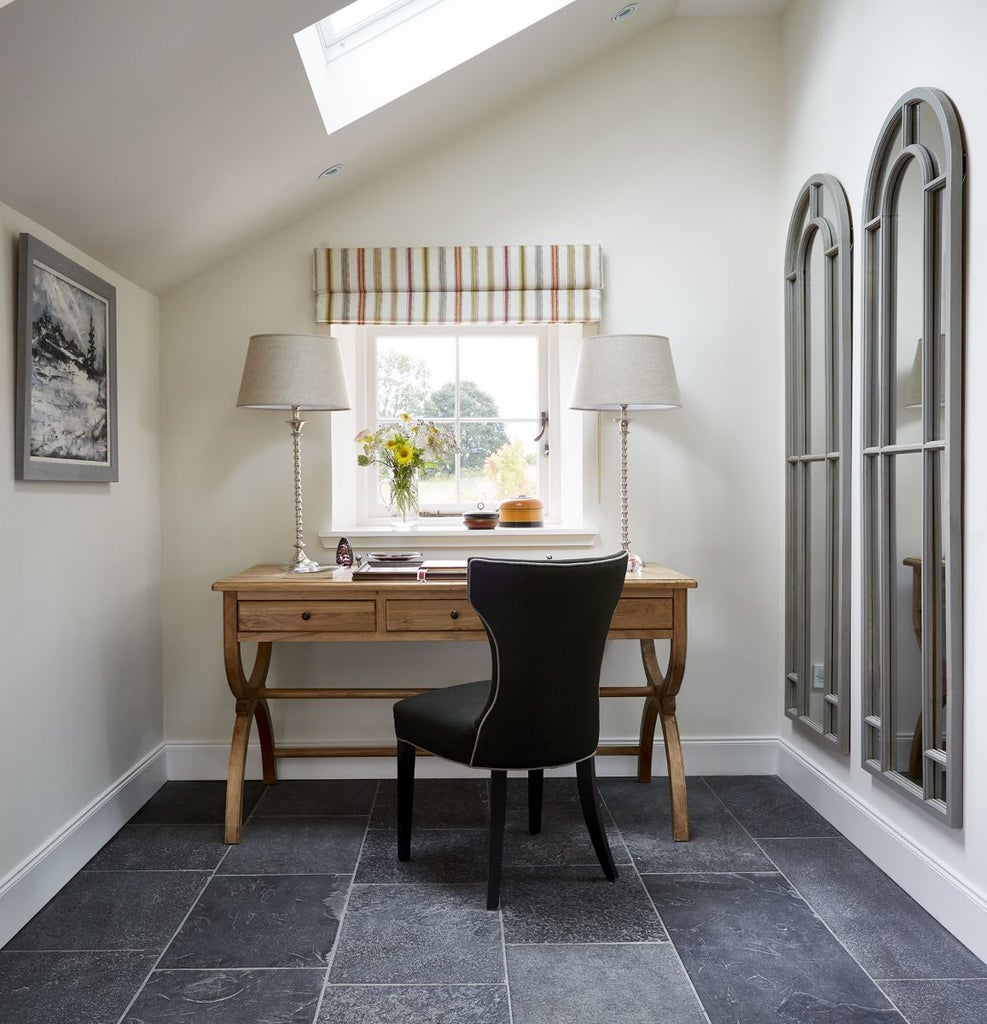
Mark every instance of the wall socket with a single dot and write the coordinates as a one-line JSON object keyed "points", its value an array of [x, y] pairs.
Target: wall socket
{"points": [[818, 679]]}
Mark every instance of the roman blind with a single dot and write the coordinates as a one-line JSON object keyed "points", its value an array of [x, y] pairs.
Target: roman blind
{"points": [[459, 284]]}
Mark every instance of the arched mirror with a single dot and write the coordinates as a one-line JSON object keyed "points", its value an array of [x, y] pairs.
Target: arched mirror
{"points": [[817, 342], [912, 423]]}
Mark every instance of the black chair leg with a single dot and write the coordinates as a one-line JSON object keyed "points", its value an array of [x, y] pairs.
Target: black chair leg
{"points": [[498, 814], [586, 779], [536, 784], [406, 797]]}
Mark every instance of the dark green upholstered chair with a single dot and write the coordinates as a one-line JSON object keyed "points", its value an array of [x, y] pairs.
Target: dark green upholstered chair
{"points": [[547, 624]]}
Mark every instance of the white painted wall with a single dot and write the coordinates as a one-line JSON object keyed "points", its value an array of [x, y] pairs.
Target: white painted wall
{"points": [[666, 152], [79, 596], [845, 65]]}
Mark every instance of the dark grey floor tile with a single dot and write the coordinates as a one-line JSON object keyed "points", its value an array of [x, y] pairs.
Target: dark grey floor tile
{"points": [[261, 921], [58, 988], [756, 953], [766, 807], [419, 934], [113, 910], [194, 803], [314, 797], [286, 846], [437, 855], [228, 997], [162, 848], [939, 1002], [438, 803], [415, 1004], [577, 905], [717, 842], [878, 922], [560, 842], [632, 984], [630, 801], [560, 803]]}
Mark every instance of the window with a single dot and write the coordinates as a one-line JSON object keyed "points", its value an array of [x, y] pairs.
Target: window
{"points": [[501, 390], [488, 388]]}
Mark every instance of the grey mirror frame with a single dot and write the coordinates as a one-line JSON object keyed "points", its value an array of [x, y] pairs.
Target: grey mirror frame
{"points": [[820, 195], [943, 173]]}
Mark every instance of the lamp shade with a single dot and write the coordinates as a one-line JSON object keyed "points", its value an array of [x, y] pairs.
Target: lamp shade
{"points": [[911, 393], [625, 370], [287, 371]]}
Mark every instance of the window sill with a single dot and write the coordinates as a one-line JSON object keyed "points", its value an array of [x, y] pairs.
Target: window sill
{"points": [[447, 536]]}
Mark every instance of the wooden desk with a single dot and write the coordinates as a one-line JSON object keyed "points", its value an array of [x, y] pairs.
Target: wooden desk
{"points": [[265, 605]]}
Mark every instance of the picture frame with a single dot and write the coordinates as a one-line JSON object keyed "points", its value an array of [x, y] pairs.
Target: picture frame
{"points": [[66, 403]]}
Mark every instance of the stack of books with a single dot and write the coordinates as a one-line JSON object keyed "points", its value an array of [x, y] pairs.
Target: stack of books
{"points": [[415, 567]]}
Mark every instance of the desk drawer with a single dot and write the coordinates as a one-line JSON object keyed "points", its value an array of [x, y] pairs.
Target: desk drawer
{"points": [[643, 613], [307, 616], [450, 616]]}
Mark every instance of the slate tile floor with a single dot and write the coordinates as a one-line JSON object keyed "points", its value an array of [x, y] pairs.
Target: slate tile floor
{"points": [[767, 915]]}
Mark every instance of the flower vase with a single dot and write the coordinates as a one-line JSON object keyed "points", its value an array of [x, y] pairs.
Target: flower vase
{"points": [[402, 499]]}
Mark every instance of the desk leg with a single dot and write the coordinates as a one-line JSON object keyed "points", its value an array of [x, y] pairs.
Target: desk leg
{"points": [[666, 687], [248, 708]]}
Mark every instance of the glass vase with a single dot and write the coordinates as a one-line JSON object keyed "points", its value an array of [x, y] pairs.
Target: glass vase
{"points": [[402, 499]]}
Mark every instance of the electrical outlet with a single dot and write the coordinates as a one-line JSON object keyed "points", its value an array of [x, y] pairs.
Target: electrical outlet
{"points": [[818, 679]]}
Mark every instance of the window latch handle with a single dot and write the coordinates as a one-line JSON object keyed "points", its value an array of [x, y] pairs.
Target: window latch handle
{"points": [[541, 433]]}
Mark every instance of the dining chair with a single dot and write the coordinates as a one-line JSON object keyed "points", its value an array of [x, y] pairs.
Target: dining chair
{"points": [[547, 624]]}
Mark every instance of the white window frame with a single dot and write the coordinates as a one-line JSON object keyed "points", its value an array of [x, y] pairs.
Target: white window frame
{"points": [[568, 475]]}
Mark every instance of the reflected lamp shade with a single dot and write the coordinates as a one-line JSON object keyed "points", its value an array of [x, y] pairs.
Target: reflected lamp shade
{"points": [[293, 371], [911, 393], [633, 371]]}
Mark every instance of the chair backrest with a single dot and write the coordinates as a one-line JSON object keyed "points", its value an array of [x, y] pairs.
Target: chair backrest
{"points": [[547, 622]]}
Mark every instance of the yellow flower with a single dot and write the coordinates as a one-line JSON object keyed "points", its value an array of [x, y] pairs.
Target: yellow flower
{"points": [[391, 442], [403, 454]]}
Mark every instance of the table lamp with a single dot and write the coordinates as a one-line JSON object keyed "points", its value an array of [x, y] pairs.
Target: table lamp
{"points": [[298, 372], [621, 372]]}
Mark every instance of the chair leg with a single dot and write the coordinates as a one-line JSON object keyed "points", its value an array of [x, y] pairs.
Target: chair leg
{"points": [[586, 779], [406, 797], [536, 780], [498, 813]]}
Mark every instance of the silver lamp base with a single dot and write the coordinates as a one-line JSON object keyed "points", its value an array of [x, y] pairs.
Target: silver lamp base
{"points": [[305, 564]]}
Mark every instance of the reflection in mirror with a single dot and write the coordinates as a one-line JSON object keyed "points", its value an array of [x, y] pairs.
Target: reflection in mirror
{"points": [[906, 676], [912, 359], [817, 342]]}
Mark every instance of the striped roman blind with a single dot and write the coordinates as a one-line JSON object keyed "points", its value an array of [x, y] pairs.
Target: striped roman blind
{"points": [[459, 284]]}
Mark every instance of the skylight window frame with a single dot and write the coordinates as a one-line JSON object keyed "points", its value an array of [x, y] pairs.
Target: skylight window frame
{"points": [[337, 44]]}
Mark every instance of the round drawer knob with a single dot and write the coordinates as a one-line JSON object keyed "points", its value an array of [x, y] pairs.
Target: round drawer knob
{"points": [[306, 616], [454, 614]]}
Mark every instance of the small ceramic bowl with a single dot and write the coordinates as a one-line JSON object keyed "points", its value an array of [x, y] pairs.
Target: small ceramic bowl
{"points": [[480, 520]]}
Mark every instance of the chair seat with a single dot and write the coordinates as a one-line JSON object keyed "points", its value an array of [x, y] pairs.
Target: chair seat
{"points": [[443, 721]]}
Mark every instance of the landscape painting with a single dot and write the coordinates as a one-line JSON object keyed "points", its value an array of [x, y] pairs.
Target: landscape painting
{"points": [[66, 409]]}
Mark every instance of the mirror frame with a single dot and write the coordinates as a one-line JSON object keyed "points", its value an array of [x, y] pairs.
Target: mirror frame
{"points": [[810, 226], [943, 174]]}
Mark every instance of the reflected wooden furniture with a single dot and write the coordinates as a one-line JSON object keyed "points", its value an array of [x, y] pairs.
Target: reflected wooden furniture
{"points": [[264, 606], [917, 745]]}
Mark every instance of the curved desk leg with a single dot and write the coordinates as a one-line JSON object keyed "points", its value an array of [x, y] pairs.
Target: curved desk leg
{"points": [[662, 704], [247, 708]]}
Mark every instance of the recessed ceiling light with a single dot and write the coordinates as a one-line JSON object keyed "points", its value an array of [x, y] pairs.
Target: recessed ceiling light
{"points": [[627, 11], [330, 171]]}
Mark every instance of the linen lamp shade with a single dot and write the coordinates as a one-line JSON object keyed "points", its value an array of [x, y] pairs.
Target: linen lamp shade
{"points": [[293, 371], [632, 371]]}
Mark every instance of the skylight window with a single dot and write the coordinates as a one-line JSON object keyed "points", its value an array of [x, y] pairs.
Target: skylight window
{"points": [[371, 52], [364, 20]]}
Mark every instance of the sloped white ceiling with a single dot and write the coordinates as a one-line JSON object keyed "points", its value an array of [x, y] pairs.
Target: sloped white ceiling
{"points": [[160, 144]]}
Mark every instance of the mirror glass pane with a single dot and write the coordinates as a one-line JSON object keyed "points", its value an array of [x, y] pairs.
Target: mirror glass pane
{"points": [[815, 344], [817, 580], [930, 136], [905, 331], [940, 693], [904, 595]]}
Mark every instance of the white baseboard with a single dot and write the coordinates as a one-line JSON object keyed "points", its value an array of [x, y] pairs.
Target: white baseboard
{"points": [[757, 756], [31, 885], [948, 898]]}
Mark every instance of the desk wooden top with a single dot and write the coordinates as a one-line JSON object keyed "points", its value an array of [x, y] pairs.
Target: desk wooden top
{"points": [[274, 579]]}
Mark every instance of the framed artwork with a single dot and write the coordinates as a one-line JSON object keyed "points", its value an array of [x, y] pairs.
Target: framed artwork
{"points": [[66, 369]]}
